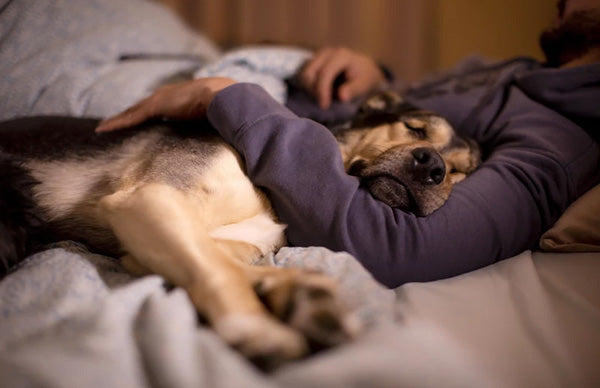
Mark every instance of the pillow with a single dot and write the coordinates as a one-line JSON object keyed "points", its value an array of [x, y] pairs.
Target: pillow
{"points": [[578, 229]]}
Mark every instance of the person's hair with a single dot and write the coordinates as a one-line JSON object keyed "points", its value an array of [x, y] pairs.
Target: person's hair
{"points": [[573, 38]]}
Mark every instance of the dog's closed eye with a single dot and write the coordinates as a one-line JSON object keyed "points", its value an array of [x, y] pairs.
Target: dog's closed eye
{"points": [[416, 127]]}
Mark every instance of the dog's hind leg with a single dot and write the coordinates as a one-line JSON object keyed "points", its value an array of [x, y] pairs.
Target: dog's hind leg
{"points": [[161, 227], [133, 266]]}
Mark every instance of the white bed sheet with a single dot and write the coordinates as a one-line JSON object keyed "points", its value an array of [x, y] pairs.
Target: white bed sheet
{"points": [[533, 320]]}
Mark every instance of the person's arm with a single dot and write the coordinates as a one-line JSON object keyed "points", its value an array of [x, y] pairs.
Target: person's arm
{"points": [[497, 212], [538, 164]]}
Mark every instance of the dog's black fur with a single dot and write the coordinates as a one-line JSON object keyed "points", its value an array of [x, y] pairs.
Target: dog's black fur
{"points": [[22, 231], [18, 213]]}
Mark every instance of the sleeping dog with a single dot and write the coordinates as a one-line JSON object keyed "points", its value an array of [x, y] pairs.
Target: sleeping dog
{"points": [[173, 200]]}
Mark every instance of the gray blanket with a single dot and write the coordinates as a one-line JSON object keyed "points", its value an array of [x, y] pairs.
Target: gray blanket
{"points": [[69, 318], [97, 57]]}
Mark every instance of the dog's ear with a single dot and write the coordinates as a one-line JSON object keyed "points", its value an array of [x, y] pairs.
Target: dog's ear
{"points": [[383, 107], [385, 102]]}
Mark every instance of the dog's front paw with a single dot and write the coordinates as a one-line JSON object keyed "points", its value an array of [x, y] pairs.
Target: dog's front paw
{"points": [[308, 302], [262, 339]]}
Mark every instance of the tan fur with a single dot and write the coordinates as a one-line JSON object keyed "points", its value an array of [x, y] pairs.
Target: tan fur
{"points": [[370, 146], [163, 230], [204, 238], [185, 210], [369, 143]]}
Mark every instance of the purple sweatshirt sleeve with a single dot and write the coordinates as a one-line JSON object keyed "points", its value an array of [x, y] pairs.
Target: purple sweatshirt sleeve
{"points": [[499, 211]]}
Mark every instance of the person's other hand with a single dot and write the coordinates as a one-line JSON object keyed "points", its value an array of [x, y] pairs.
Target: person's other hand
{"points": [[186, 100], [361, 74]]}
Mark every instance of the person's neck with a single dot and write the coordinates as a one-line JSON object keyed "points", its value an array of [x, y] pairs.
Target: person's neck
{"points": [[591, 56]]}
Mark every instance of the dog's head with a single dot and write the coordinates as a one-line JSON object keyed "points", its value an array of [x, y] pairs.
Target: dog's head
{"points": [[406, 157]]}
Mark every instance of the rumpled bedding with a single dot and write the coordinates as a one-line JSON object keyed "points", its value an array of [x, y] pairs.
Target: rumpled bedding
{"points": [[267, 66], [95, 58], [70, 318]]}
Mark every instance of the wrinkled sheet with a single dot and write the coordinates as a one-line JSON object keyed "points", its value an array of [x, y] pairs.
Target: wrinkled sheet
{"points": [[70, 318], [97, 57]]}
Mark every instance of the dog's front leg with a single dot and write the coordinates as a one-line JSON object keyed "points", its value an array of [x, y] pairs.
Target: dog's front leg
{"points": [[161, 228]]}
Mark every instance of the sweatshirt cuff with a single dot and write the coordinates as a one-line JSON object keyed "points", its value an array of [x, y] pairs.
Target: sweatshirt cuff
{"points": [[239, 106]]}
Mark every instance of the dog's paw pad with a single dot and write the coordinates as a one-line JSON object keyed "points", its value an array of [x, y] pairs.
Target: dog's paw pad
{"points": [[309, 303]]}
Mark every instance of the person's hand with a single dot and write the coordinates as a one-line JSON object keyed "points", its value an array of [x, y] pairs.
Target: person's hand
{"points": [[186, 100], [361, 74]]}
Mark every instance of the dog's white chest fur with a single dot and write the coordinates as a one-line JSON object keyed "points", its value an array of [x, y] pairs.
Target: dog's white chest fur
{"points": [[235, 209]]}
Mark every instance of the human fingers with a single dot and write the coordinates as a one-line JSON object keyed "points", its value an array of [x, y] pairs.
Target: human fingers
{"points": [[167, 101], [318, 75], [133, 115], [186, 100], [337, 64], [361, 78], [308, 73]]}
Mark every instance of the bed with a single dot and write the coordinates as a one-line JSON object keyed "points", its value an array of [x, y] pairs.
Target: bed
{"points": [[73, 318]]}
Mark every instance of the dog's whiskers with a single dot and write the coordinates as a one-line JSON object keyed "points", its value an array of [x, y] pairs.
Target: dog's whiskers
{"points": [[377, 148]]}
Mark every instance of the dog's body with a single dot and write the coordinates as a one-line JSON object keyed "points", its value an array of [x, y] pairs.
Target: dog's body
{"points": [[172, 200]]}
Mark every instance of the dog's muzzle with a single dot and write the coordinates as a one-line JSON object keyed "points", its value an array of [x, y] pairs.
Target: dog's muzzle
{"points": [[428, 168], [400, 176]]}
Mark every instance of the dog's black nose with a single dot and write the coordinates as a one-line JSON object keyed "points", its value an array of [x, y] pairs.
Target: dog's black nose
{"points": [[428, 167]]}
